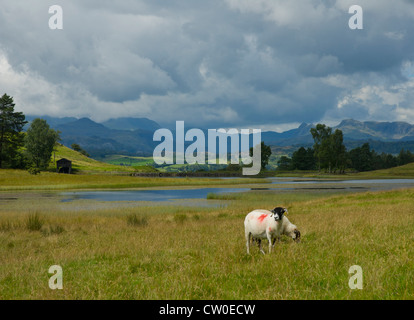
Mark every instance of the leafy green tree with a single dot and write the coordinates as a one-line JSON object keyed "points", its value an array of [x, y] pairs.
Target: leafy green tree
{"points": [[11, 136], [338, 155], [365, 159], [85, 153], [383, 161], [265, 154], [40, 141], [79, 149], [322, 144], [389, 161], [362, 158], [405, 157], [284, 163], [329, 148], [303, 159], [76, 147]]}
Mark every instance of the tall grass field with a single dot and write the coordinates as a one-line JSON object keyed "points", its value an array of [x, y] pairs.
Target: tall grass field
{"points": [[168, 252]]}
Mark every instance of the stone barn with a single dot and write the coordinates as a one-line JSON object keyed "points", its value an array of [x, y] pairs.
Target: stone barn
{"points": [[64, 166]]}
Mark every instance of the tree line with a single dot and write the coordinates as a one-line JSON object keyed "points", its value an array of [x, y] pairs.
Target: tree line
{"points": [[24, 150], [329, 153]]}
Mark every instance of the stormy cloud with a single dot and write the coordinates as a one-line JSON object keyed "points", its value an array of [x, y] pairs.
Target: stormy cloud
{"points": [[218, 63]]}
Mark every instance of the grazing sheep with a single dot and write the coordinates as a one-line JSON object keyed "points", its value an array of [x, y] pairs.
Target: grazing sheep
{"points": [[264, 224], [289, 229]]}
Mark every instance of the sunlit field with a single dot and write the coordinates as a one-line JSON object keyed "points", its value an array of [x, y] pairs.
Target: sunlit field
{"points": [[170, 252]]}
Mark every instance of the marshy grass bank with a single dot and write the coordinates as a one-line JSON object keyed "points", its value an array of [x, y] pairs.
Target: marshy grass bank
{"points": [[20, 180]]}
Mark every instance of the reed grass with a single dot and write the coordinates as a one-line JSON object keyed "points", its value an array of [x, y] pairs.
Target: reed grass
{"points": [[136, 220], [34, 222]]}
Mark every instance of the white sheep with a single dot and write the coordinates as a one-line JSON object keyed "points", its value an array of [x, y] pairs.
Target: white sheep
{"points": [[270, 225]]}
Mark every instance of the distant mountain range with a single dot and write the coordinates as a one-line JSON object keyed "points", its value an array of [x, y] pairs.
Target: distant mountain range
{"points": [[100, 139], [132, 124], [129, 124], [133, 136], [353, 130]]}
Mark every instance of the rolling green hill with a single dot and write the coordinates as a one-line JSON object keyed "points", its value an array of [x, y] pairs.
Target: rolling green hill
{"points": [[83, 164], [126, 160]]}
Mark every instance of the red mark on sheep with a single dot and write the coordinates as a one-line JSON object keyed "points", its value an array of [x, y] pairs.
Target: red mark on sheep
{"points": [[262, 217]]}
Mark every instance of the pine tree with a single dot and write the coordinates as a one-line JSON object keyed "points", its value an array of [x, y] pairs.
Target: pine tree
{"points": [[11, 126]]}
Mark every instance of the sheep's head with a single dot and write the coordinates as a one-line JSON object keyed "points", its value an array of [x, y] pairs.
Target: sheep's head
{"points": [[278, 213], [296, 235]]}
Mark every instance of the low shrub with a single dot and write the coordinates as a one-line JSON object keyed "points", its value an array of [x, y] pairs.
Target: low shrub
{"points": [[137, 220]]}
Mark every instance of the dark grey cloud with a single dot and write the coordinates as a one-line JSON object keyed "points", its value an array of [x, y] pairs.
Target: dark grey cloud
{"points": [[229, 63]]}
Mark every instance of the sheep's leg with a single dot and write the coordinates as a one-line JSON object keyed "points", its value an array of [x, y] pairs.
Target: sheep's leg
{"points": [[259, 242], [269, 237], [252, 240], [274, 240], [248, 235]]}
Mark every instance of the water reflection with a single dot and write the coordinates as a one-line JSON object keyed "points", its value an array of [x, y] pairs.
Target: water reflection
{"points": [[147, 195]]}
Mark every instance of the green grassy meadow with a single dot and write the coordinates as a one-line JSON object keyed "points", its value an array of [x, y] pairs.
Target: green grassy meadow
{"points": [[168, 252], [129, 161]]}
